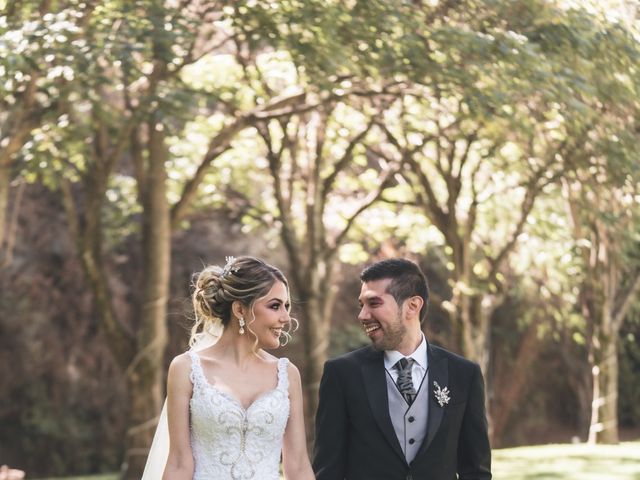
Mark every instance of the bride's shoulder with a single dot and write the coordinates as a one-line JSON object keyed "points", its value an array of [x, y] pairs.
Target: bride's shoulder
{"points": [[180, 364], [272, 359], [293, 374], [178, 377], [292, 370]]}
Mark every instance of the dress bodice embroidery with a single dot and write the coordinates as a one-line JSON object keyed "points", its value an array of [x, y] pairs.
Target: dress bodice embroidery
{"points": [[231, 442]]}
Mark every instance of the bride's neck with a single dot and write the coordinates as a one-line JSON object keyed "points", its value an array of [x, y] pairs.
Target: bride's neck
{"points": [[239, 349]]}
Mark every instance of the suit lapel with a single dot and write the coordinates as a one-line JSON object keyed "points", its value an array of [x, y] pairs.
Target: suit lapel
{"points": [[438, 372], [375, 382]]}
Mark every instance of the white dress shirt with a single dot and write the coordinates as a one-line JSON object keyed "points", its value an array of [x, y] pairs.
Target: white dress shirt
{"points": [[420, 365]]}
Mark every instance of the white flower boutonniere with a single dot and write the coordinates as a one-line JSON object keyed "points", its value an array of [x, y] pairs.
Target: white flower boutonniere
{"points": [[441, 394]]}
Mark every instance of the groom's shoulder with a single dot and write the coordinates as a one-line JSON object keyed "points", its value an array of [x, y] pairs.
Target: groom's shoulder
{"points": [[453, 358]]}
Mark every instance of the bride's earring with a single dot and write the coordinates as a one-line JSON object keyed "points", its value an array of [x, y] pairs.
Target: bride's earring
{"points": [[242, 324]]}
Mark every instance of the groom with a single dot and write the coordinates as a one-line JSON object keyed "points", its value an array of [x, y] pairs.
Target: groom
{"points": [[401, 409]]}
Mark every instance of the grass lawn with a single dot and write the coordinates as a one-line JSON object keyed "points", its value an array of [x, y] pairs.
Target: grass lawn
{"points": [[568, 462], [546, 462], [88, 477]]}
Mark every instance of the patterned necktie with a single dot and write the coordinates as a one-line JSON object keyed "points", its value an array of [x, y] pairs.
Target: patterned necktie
{"points": [[405, 382]]}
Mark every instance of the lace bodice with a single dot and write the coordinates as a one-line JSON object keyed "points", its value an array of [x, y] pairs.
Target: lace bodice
{"points": [[231, 443]]}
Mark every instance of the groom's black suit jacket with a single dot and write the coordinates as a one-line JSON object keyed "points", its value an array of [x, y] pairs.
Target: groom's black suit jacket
{"points": [[355, 439]]}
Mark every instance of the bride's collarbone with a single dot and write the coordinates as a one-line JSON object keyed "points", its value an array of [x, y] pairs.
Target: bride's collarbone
{"points": [[245, 385]]}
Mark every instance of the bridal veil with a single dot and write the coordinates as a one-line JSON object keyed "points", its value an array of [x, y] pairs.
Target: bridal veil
{"points": [[159, 450]]}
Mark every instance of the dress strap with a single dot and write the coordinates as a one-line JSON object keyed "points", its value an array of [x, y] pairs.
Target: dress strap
{"points": [[197, 375], [283, 375]]}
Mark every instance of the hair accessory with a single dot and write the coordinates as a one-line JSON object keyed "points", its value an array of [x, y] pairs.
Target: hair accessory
{"points": [[229, 265], [242, 324]]}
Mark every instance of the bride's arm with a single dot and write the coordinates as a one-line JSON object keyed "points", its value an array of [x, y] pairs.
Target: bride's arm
{"points": [[180, 462], [294, 448]]}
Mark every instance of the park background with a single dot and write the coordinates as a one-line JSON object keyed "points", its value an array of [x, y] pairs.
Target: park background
{"points": [[494, 142]]}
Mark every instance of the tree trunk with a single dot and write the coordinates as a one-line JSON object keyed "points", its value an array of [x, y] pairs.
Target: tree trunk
{"points": [[579, 379], [316, 342], [317, 299], [513, 383], [475, 322], [604, 416], [474, 314], [145, 374], [5, 173]]}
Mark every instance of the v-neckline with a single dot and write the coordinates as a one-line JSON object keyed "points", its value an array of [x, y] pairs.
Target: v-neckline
{"points": [[232, 396]]}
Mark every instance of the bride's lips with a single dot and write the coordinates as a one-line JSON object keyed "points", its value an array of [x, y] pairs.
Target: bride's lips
{"points": [[276, 332]]}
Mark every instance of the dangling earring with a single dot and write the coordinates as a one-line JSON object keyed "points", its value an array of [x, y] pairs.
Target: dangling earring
{"points": [[241, 322]]}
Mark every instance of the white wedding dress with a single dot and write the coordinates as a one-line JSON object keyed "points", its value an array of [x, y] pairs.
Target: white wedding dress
{"points": [[227, 441], [231, 442]]}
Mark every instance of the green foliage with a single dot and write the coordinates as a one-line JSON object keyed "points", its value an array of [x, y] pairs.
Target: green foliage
{"points": [[40, 49], [121, 211]]}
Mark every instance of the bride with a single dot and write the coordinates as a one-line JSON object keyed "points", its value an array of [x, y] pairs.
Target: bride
{"points": [[232, 408]]}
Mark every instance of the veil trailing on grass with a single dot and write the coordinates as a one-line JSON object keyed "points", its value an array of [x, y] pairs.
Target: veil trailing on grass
{"points": [[159, 450]]}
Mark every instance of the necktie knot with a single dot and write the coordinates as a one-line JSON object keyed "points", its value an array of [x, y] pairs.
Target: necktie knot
{"points": [[404, 363], [405, 381]]}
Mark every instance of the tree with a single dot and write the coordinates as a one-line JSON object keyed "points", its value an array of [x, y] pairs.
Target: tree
{"points": [[600, 189], [477, 139], [129, 97], [308, 176], [32, 85], [604, 220], [494, 129]]}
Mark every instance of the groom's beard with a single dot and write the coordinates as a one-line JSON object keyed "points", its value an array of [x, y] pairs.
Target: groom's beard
{"points": [[392, 335]]}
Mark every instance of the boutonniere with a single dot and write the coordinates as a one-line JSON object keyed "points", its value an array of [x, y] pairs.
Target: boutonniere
{"points": [[441, 394]]}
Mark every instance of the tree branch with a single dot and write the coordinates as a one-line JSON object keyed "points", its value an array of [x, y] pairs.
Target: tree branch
{"points": [[344, 160], [368, 201], [10, 237], [222, 142]]}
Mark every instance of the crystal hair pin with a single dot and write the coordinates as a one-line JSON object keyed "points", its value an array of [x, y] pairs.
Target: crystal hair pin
{"points": [[229, 265]]}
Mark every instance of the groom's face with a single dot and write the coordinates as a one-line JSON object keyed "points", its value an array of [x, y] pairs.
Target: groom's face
{"points": [[380, 315]]}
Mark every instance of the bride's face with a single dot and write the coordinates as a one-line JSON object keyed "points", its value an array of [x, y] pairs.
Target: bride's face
{"points": [[271, 315]]}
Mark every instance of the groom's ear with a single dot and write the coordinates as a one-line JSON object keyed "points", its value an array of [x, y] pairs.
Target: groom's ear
{"points": [[413, 305]]}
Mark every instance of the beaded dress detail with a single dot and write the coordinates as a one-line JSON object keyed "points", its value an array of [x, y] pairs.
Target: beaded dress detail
{"points": [[230, 442]]}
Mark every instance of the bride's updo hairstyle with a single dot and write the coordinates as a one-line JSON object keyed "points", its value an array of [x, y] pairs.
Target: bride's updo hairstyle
{"points": [[243, 279]]}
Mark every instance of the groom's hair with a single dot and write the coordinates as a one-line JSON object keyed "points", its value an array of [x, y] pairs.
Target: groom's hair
{"points": [[407, 280]]}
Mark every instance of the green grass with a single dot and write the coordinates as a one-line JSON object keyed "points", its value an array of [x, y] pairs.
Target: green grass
{"points": [[568, 462], [546, 462]]}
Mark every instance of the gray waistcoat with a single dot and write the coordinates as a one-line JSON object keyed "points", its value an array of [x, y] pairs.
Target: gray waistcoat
{"points": [[409, 423]]}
